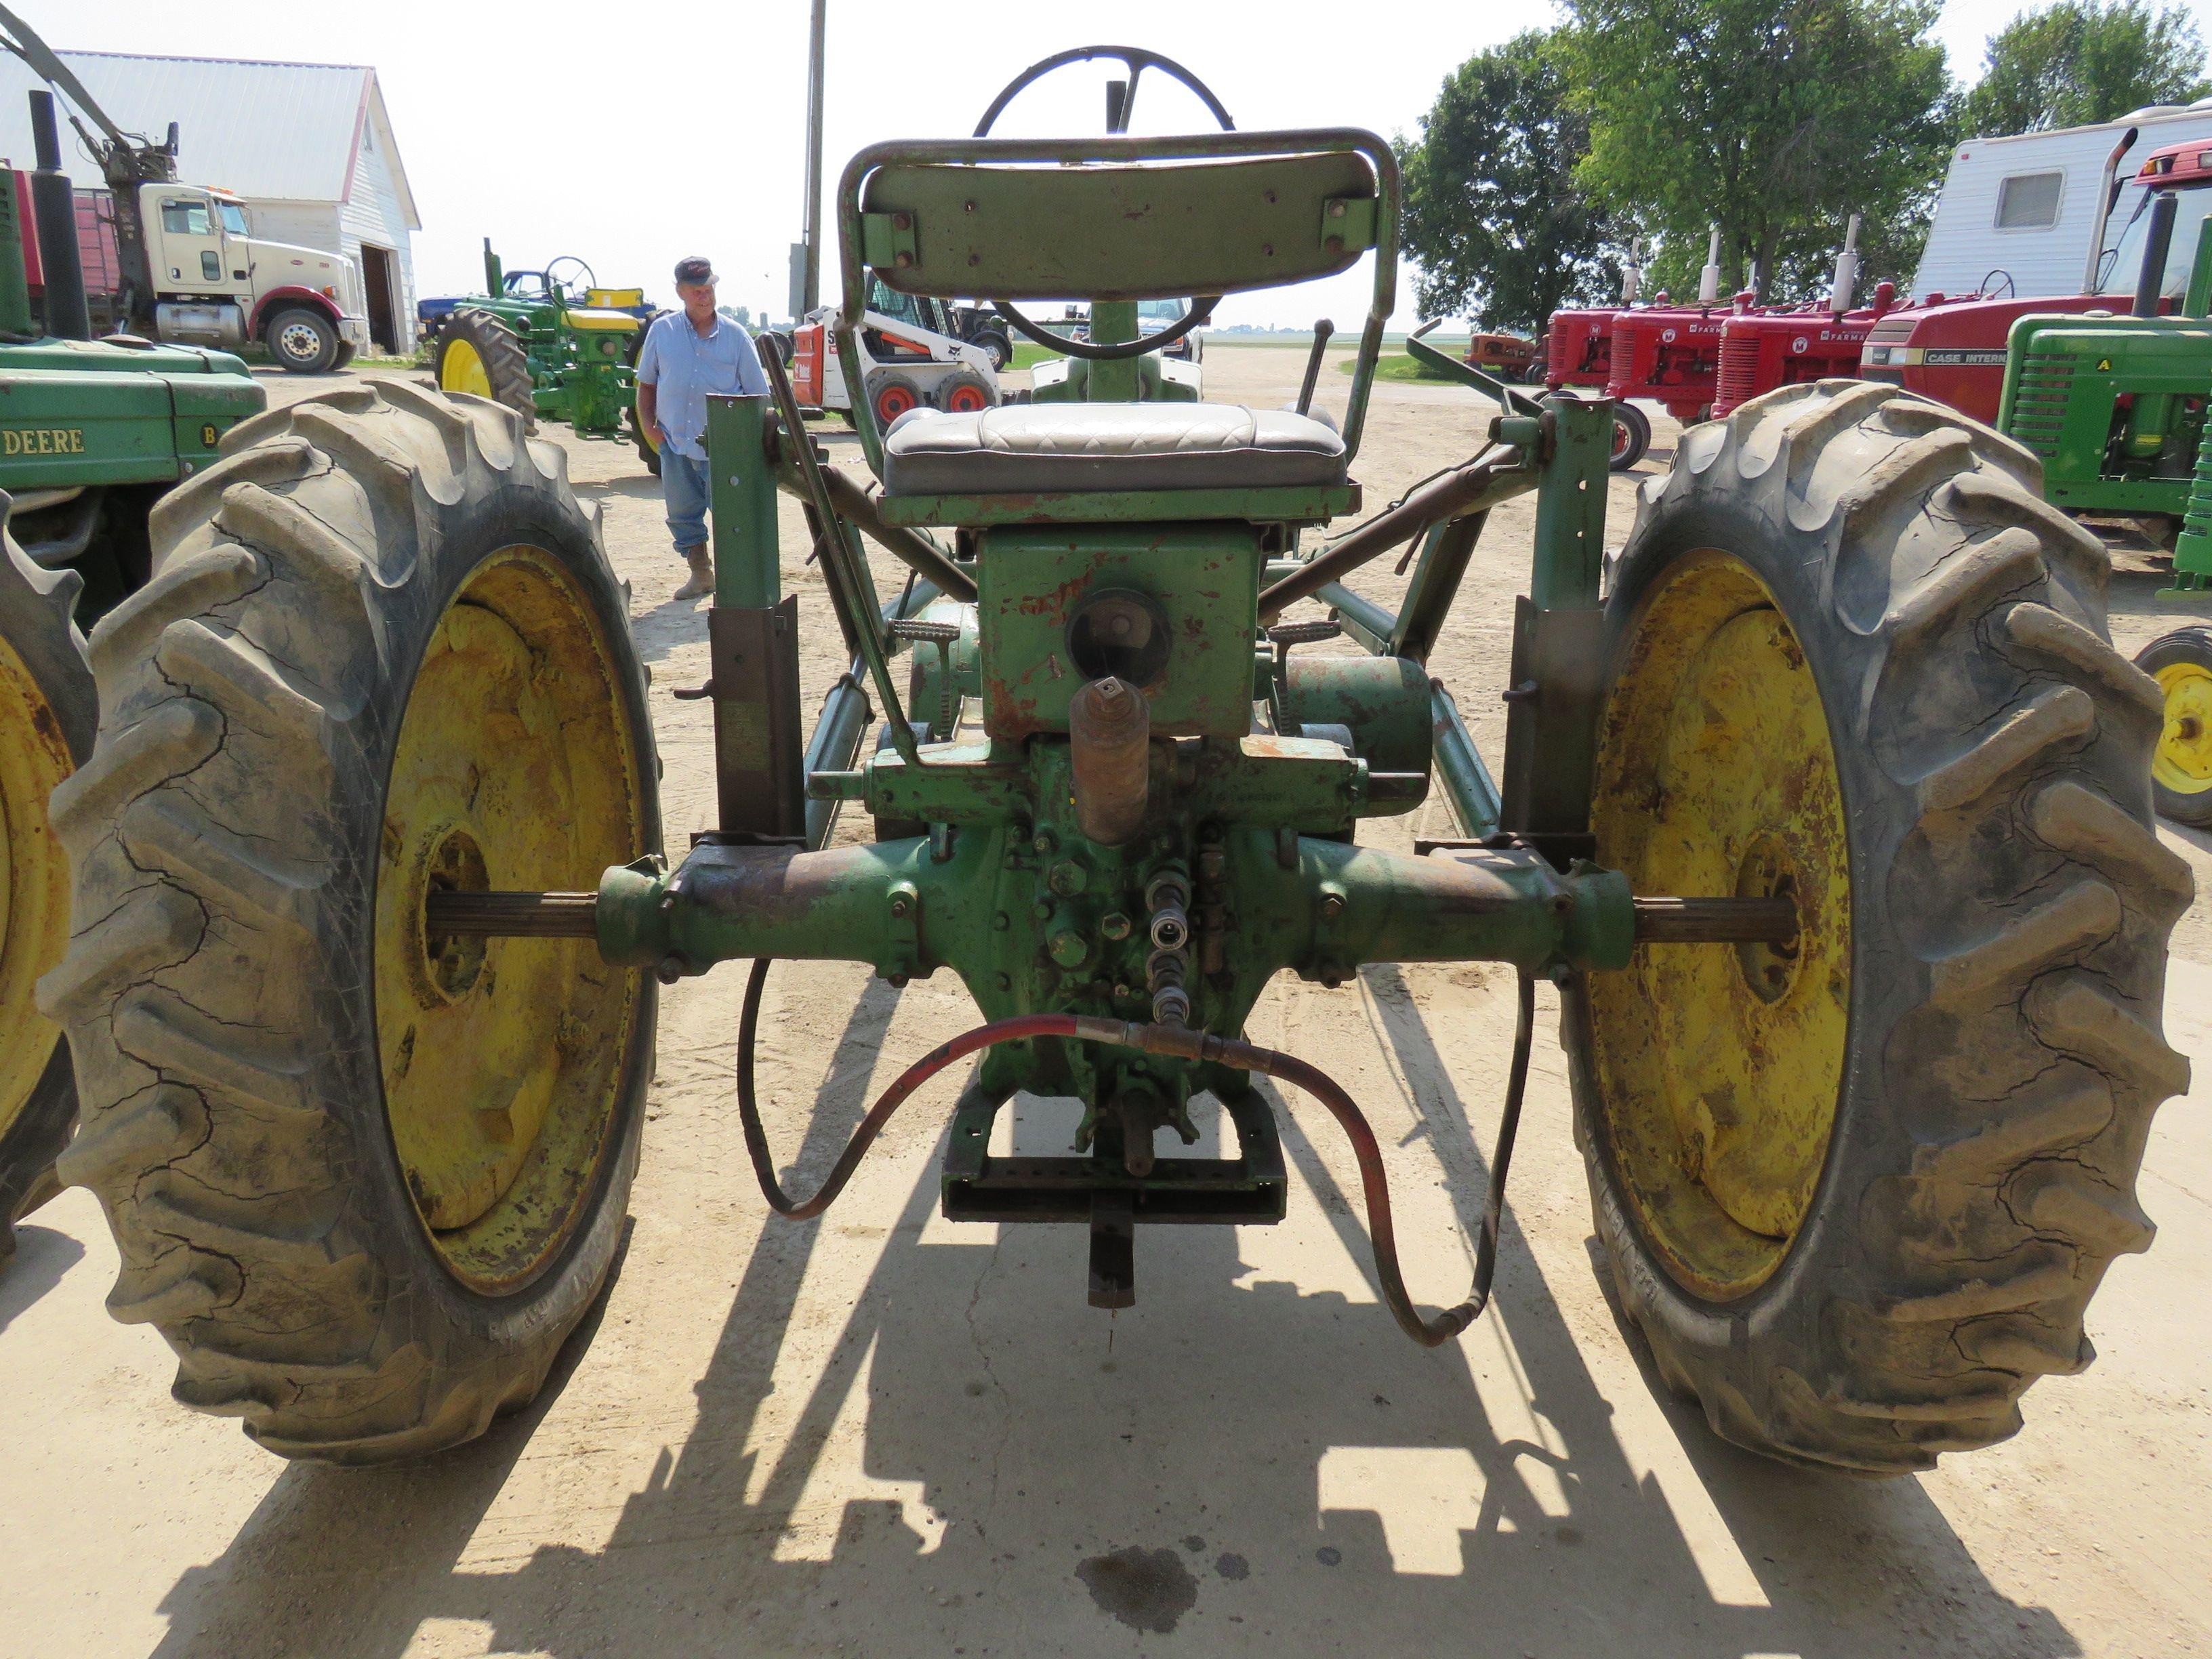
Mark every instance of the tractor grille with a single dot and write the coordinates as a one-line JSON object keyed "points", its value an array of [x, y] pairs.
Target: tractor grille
{"points": [[1561, 355], [2038, 415], [1739, 372]]}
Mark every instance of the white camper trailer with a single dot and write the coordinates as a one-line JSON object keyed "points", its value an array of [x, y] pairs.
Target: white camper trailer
{"points": [[2031, 207]]}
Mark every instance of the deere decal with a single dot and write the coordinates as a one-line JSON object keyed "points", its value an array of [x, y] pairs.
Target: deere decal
{"points": [[42, 440]]}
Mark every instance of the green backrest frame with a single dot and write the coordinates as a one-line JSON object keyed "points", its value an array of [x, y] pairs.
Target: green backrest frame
{"points": [[1129, 219]]}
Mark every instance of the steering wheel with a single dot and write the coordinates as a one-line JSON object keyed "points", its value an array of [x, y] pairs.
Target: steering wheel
{"points": [[591, 278], [1121, 99]]}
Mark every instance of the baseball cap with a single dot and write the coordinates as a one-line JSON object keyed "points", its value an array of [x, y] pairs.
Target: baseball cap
{"points": [[698, 270]]}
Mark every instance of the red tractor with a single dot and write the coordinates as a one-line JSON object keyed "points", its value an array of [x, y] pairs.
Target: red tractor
{"points": [[1822, 341], [1578, 352], [1670, 355], [1953, 350]]}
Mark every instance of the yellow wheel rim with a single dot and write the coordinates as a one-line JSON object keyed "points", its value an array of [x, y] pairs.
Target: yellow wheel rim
{"points": [[503, 1059], [1720, 1066], [462, 369], [2183, 761], [34, 880]]}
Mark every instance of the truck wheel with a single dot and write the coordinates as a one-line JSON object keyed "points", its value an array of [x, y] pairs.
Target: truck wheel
{"points": [[479, 355], [48, 712], [364, 1178], [1857, 1191], [1631, 436], [2181, 766], [997, 347], [302, 342]]}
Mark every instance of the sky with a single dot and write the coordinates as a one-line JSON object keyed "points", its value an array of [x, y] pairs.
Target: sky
{"points": [[554, 131]]}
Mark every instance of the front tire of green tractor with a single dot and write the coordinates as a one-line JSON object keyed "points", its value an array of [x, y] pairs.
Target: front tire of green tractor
{"points": [[48, 713], [479, 356], [365, 1179], [2181, 767], [1857, 1191]]}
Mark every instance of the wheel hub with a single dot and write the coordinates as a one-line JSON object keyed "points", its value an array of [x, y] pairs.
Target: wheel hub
{"points": [[1720, 1068], [34, 879], [2183, 761], [503, 1057], [462, 369]]}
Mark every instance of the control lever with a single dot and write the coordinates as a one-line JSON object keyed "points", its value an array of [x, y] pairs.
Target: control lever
{"points": [[1321, 331]]}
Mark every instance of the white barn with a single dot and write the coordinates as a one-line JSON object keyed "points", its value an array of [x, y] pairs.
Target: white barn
{"points": [[309, 148]]}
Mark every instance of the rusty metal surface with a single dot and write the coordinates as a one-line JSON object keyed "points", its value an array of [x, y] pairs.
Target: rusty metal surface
{"points": [[1109, 730]]}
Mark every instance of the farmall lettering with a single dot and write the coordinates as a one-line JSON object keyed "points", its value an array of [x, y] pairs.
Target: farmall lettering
{"points": [[42, 440]]}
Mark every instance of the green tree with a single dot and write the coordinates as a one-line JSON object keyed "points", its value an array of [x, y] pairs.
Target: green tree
{"points": [[1775, 119], [2078, 61], [1492, 215]]}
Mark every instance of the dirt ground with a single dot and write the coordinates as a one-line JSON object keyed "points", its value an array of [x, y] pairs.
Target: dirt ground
{"points": [[889, 1434]]}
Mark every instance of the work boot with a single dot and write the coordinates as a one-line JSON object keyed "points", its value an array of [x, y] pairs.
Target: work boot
{"points": [[702, 574]]}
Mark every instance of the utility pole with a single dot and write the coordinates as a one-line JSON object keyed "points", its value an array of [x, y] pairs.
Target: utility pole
{"points": [[810, 234]]}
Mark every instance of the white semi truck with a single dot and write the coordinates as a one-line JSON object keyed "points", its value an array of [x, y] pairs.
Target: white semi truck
{"points": [[174, 261]]}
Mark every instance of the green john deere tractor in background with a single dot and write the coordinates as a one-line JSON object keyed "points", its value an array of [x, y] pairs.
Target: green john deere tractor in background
{"points": [[567, 353], [92, 432], [2115, 407], [1861, 1072]]}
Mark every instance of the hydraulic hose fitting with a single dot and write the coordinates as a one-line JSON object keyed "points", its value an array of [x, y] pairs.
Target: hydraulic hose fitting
{"points": [[1167, 896], [1164, 973]]}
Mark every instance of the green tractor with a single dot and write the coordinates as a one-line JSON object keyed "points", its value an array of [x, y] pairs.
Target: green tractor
{"points": [[93, 435], [1861, 1072], [566, 352], [2114, 408]]}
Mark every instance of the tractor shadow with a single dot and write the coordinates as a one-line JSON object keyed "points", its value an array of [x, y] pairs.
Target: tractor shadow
{"points": [[973, 1461], [42, 1257]]}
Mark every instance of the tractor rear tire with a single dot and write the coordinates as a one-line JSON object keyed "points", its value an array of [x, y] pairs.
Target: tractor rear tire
{"points": [[646, 451], [49, 711], [2181, 767], [479, 355], [364, 1178], [1631, 436], [1858, 1190]]}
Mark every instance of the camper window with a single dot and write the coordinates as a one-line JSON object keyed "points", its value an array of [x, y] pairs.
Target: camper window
{"points": [[2029, 201]]}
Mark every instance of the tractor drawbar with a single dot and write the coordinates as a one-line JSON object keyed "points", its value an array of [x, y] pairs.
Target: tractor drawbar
{"points": [[1177, 1042]]}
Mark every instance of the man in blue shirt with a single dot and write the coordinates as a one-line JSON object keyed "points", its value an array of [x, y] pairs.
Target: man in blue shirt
{"points": [[687, 355]]}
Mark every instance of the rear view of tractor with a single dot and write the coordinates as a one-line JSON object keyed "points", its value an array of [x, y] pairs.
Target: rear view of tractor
{"points": [[93, 434], [2114, 407], [566, 351], [1861, 1071]]}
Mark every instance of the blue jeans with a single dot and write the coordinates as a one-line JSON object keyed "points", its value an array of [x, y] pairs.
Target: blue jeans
{"points": [[684, 492]]}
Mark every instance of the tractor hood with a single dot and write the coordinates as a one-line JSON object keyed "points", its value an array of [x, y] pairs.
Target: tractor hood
{"points": [[79, 413], [119, 354]]}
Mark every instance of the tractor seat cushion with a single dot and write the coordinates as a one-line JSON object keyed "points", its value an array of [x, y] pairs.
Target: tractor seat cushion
{"points": [[1036, 448]]}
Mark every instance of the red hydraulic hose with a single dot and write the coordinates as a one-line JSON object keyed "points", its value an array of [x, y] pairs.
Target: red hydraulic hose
{"points": [[1182, 1044]]}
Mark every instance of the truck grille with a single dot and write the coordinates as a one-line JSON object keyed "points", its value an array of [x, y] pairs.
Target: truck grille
{"points": [[2038, 414]]}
